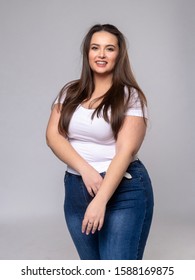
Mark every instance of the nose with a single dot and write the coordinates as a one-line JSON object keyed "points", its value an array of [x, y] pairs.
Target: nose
{"points": [[101, 53]]}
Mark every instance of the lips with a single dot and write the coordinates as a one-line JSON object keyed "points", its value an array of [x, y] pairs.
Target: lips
{"points": [[101, 63]]}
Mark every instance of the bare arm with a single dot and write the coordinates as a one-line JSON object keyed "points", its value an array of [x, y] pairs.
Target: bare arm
{"points": [[128, 143], [66, 153]]}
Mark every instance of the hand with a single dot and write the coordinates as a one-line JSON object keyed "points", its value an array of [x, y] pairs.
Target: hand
{"points": [[92, 180], [94, 216]]}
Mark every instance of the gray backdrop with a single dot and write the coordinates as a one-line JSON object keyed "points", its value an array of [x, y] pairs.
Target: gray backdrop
{"points": [[39, 53]]}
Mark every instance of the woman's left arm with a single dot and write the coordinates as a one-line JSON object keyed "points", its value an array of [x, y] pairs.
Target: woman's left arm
{"points": [[128, 143]]}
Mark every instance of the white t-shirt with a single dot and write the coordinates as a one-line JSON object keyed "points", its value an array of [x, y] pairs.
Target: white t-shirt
{"points": [[93, 138]]}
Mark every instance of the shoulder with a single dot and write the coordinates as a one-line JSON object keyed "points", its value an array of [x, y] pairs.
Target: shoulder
{"points": [[131, 95], [65, 90], [136, 105]]}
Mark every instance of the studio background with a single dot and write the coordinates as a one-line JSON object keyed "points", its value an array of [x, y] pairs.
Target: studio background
{"points": [[39, 53]]}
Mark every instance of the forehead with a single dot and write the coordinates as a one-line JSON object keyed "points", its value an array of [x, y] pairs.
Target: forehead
{"points": [[104, 38]]}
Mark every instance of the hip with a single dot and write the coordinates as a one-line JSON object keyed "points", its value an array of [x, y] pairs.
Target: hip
{"points": [[134, 190]]}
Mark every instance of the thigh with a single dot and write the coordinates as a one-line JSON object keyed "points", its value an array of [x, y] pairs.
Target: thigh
{"points": [[75, 204], [128, 217]]}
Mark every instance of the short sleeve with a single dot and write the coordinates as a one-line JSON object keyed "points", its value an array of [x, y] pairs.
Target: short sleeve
{"points": [[135, 108]]}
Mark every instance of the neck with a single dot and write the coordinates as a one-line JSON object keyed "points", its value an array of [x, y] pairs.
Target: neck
{"points": [[102, 83]]}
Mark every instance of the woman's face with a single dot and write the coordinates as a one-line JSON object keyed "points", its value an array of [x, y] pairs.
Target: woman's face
{"points": [[103, 52]]}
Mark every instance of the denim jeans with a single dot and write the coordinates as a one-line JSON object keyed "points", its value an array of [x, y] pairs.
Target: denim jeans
{"points": [[127, 219]]}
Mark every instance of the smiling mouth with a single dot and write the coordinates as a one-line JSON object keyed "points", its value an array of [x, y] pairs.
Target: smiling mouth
{"points": [[101, 63]]}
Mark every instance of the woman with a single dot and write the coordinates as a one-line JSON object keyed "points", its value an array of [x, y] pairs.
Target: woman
{"points": [[96, 127]]}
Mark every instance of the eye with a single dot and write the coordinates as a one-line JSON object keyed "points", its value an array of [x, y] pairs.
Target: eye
{"points": [[110, 49], [94, 48]]}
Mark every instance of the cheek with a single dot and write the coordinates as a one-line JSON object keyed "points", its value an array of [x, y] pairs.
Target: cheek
{"points": [[114, 58], [90, 62], [90, 58], [91, 55]]}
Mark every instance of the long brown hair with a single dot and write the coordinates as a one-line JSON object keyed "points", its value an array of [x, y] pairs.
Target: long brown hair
{"points": [[79, 90]]}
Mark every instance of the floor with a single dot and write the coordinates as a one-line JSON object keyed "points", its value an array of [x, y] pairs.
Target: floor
{"points": [[48, 239]]}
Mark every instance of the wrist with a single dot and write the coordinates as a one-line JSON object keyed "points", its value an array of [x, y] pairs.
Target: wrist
{"points": [[101, 198], [84, 169]]}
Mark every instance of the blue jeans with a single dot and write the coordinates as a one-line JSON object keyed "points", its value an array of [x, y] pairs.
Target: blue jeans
{"points": [[127, 219]]}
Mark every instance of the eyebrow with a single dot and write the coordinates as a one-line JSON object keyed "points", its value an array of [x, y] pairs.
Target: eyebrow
{"points": [[109, 45]]}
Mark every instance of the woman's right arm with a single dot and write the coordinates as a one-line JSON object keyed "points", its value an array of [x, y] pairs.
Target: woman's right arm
{"points": [[66, 153]]}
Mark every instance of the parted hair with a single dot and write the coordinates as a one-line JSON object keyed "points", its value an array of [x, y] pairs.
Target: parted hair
{"points": [[79, 90]]}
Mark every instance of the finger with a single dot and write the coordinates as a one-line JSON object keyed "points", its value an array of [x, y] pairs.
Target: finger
{"points": [[90, 191], [84, 225], [95, 190], [89, 227], [101, 222], [95, 226]]}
